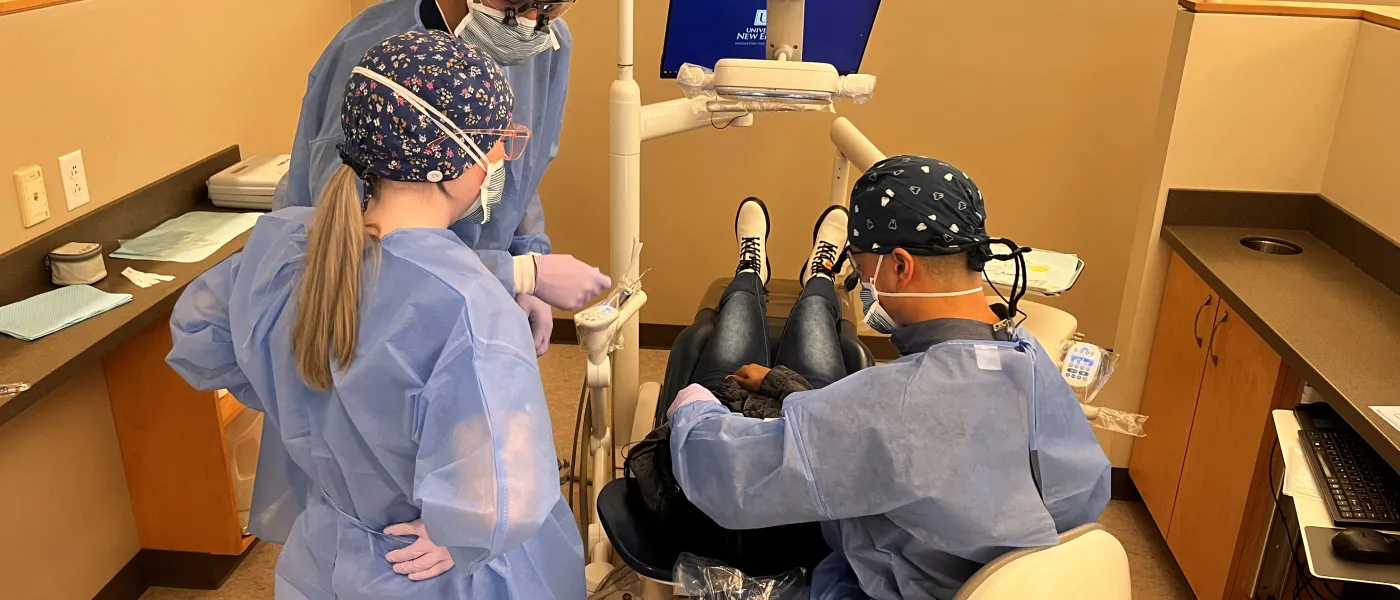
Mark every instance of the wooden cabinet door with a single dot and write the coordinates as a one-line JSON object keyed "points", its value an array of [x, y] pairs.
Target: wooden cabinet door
{"points": [[1173, 381], [1232, 415], [172, 446]]}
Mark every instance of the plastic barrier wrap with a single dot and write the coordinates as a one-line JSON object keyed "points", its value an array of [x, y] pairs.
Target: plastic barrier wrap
{"points": [[696, 81], [1116, 421], [705, 579], [725, 105], [1087, 368], [612, 303], [858, 87]]}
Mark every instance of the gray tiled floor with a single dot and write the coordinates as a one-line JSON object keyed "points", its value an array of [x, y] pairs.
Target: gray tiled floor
{"points": [[1155, 575]]}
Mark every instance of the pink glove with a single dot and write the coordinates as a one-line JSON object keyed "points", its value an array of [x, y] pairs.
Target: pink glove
{"points": [[567, 283], [690, 395], [420, 560], [541, 320]]}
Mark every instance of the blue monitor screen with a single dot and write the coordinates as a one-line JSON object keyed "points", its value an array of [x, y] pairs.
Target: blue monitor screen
{"points": [[704, 31]]}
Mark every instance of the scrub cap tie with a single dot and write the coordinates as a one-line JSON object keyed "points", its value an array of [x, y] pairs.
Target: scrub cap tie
{"points": [[388, 137]]}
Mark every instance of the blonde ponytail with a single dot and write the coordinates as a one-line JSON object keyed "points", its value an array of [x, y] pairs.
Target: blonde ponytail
{"points": [[328, 303]]}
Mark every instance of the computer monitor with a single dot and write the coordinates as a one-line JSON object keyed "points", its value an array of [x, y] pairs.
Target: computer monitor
{"points": [[704, 31]]}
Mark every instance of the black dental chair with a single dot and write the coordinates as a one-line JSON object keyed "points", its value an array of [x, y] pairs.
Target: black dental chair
{"points": [[642, 543]]}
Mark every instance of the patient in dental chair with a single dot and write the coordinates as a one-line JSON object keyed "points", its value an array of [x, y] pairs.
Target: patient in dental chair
{"points": [[735, 366]]}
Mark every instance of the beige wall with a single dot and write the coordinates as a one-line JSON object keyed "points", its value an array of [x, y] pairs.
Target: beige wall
{"points": [[71, 526], [1048, 106], [1046, 122], [1259, 102], [145, 87], [358, 6], [1361, 172], [1256, 108]]}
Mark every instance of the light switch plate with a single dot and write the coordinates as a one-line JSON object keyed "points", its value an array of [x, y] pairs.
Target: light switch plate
{"points": [[74, 176], [33, 199]]}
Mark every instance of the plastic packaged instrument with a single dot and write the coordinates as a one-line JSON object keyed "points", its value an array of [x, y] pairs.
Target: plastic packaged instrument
{"points": [[1087, 367], [704, 579]]}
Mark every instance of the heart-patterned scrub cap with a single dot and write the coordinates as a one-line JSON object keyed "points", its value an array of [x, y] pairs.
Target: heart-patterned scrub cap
{"points": [[926, 206], [453, 90]]}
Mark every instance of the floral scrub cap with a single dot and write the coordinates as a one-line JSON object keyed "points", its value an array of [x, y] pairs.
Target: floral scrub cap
{"points": [[452, 87]]}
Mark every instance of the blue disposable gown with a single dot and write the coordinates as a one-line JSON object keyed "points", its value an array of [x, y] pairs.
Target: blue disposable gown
{"points": [[918, 470], [414, 428], [517, 223]]}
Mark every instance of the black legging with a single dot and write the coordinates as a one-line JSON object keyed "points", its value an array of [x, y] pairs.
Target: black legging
{"points": [[810, 344]]}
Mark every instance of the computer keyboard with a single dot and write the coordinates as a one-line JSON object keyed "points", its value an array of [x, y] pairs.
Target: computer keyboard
{"points": [[1360, 489]]}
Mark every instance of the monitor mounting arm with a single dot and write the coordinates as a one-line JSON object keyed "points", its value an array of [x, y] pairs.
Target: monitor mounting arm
{"points": [[786, 20]]}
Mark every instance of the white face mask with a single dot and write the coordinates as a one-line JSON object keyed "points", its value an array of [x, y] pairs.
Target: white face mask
{"points": [[509, 44], [875, 315], [495, 183]]}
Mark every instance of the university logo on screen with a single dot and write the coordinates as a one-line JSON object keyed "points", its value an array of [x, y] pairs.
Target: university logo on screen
{"points": [[756, 35]]}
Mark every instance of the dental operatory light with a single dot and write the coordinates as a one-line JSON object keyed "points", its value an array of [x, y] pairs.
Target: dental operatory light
{"points": [[749, 85], [746, 79], [784, 77]]}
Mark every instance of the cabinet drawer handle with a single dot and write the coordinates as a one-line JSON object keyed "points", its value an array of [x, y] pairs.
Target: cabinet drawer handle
{"points": [[1215, 358], [1196, 323]]}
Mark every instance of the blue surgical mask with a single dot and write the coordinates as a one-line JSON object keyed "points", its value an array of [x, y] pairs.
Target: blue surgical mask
{"points": [[509, 44], [875, 315]]}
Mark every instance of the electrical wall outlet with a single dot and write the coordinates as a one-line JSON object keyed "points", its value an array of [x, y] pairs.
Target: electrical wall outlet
{"points": [[33, 199], [74, 176]]}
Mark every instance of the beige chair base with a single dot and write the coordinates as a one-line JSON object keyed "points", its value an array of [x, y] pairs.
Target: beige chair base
{"points": [[1087, 563]]}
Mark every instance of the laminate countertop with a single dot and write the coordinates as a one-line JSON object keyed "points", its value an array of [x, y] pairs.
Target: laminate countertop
{"points": [[49, 361], [45, 363], [1330, 321]]}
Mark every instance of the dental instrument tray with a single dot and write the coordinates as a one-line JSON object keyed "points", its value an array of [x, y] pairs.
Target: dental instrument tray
{"points": [[1050, 273], [249, 184]]}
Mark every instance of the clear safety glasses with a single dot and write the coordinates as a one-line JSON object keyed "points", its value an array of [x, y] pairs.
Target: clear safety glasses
{"points": [[514, 139]]}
